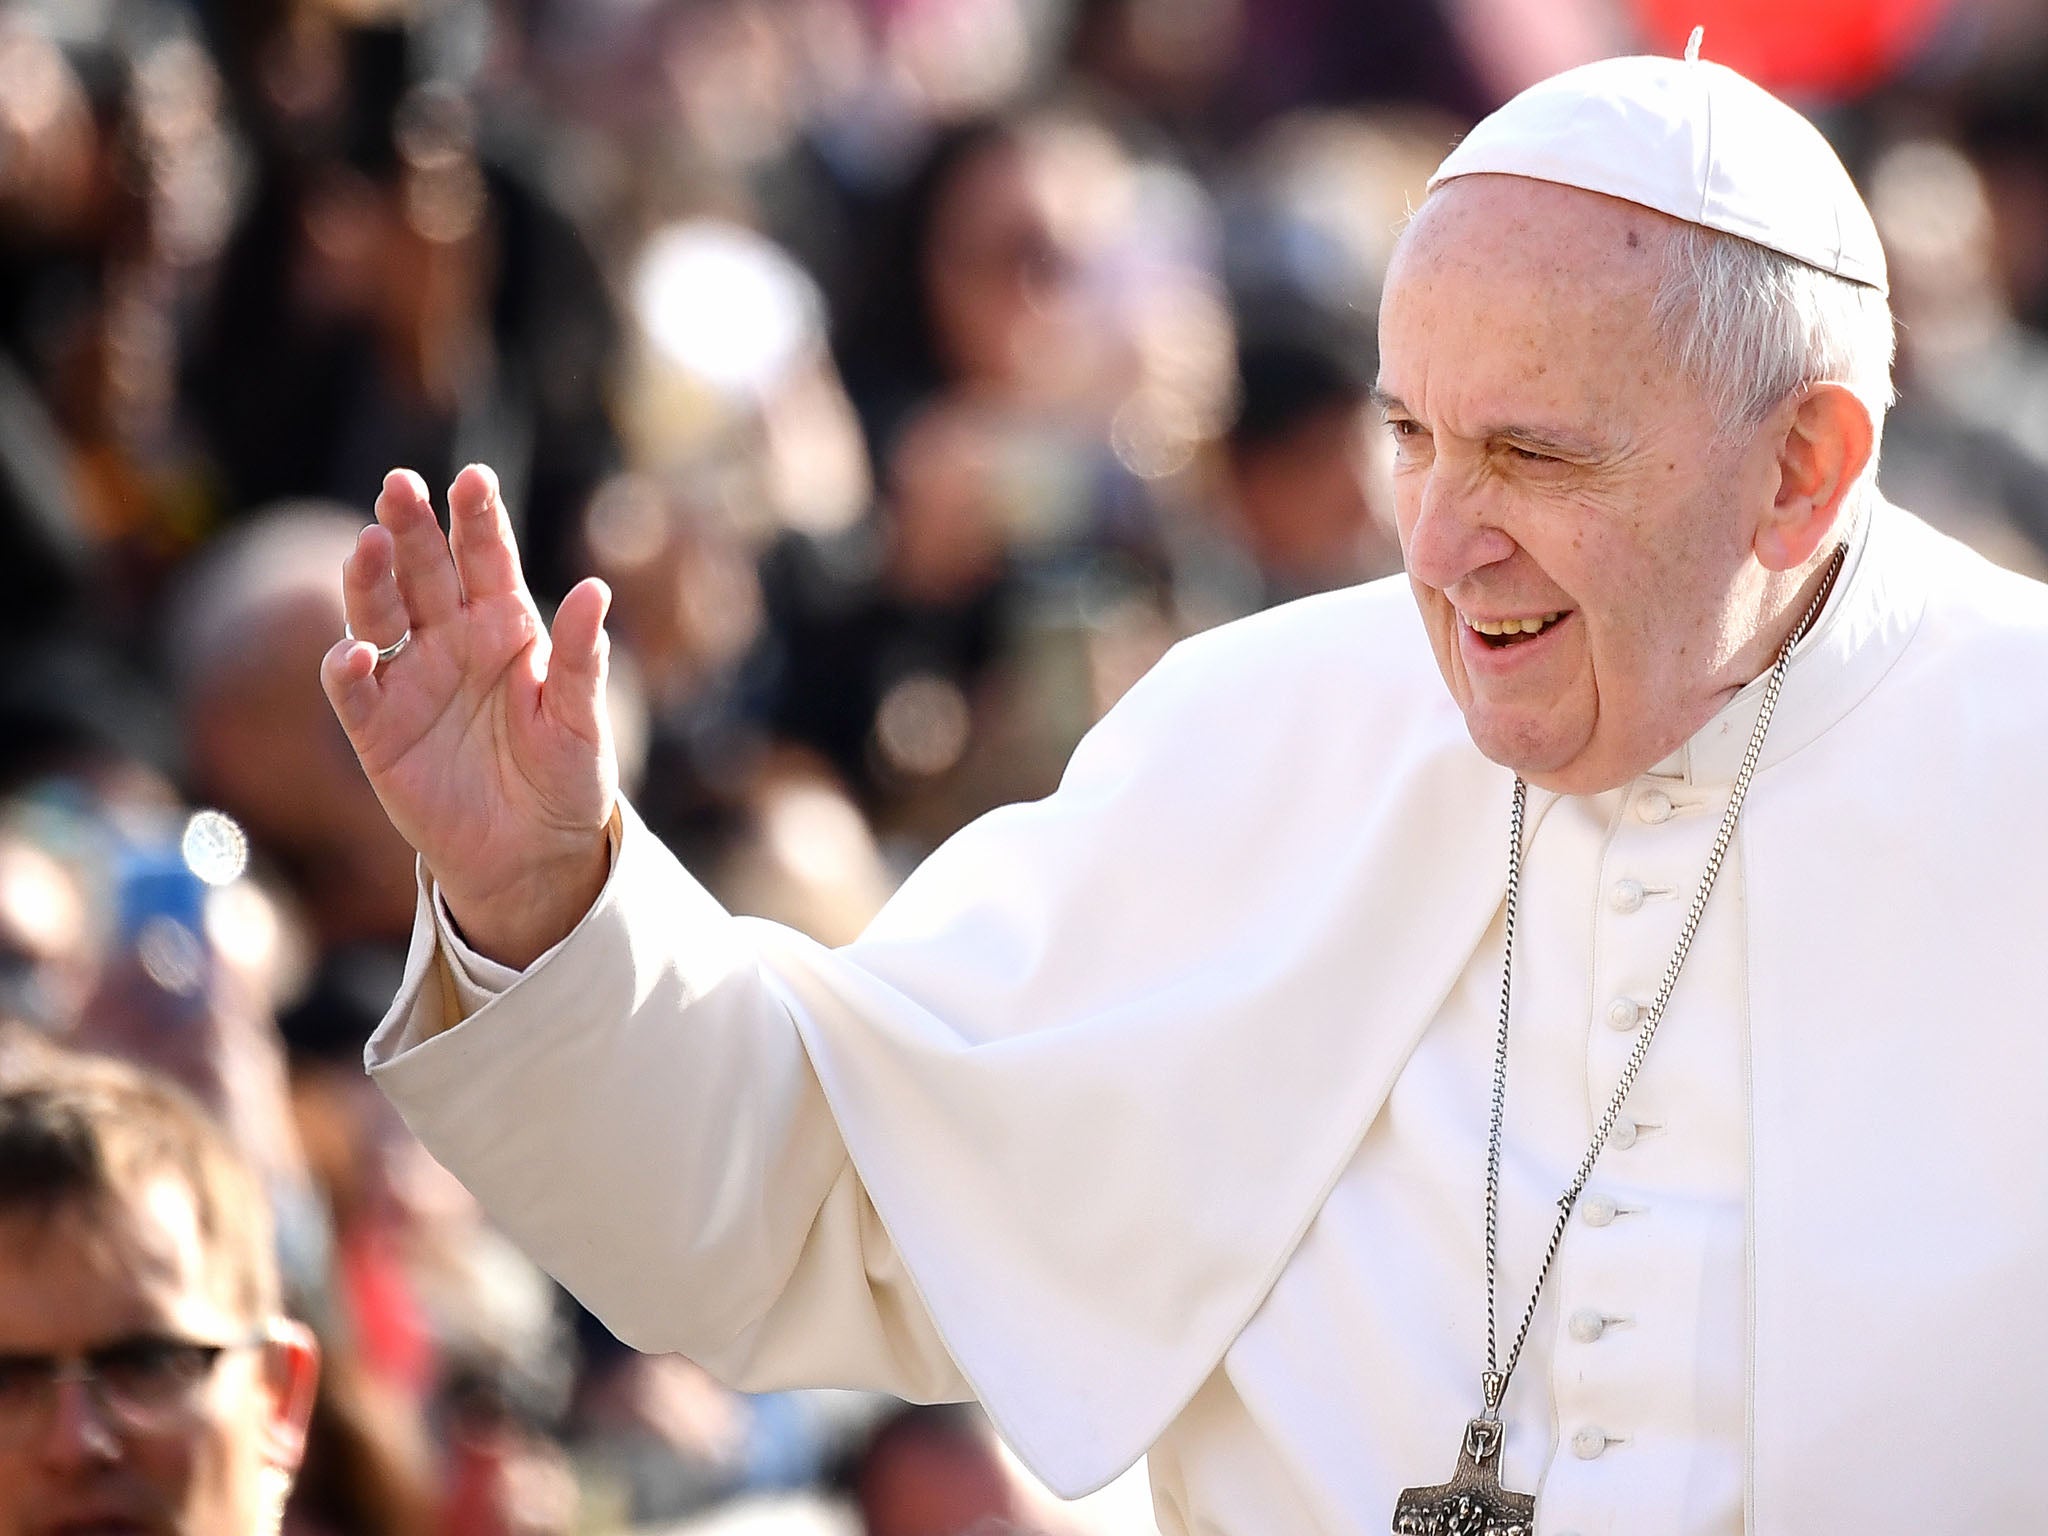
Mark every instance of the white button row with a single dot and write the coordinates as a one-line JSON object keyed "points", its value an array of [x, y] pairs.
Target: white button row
{"points": [[1654, 807], [1624, 1014]]}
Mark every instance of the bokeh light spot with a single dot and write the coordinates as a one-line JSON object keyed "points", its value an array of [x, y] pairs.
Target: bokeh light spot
{"points": [[214, 847]]}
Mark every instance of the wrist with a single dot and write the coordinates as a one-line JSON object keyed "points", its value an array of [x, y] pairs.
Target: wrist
{"points": [[515, 923]]}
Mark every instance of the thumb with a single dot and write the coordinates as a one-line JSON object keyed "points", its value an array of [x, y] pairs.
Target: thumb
{"points": [[348, 674], [573, 694]]}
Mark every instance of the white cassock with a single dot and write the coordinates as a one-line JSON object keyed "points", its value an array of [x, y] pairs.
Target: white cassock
{"points": [[1154, 1114]]}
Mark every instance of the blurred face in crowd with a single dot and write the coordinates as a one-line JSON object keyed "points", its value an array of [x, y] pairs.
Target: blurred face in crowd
{"points": [[1011, 233], [1556, 477], [213, 1449]]}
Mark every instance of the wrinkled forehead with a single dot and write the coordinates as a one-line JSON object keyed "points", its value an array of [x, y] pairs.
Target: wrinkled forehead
{"points": [[1501, 281], [1564, 243]]}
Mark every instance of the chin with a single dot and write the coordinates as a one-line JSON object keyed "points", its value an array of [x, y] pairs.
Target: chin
{"points": [[1587, 771], [1576, 778], [1532, 747]]}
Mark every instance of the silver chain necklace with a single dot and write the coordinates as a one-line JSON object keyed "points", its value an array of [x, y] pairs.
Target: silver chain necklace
{"points": [[1473, 1503]]}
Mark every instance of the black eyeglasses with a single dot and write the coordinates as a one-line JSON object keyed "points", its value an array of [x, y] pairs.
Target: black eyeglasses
{"points": [[143, 1383]]}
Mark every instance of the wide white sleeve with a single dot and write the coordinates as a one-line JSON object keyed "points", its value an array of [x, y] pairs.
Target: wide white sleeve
{"points": [[478, 978], [637, 1112]]}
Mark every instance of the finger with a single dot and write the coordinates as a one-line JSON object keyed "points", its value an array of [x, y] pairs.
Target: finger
{"points": [[370, 598], [426, 573], [486, 555], [574, 691], [348, 675]]}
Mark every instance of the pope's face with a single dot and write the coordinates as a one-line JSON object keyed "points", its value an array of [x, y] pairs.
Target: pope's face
{"points": [[1577, 536]]}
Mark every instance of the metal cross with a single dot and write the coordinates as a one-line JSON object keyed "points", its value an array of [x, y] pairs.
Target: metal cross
{"points": [[1472, 1503]]}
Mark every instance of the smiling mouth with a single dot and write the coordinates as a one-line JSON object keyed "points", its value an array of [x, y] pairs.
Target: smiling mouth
{"points": [[1499, 634]]}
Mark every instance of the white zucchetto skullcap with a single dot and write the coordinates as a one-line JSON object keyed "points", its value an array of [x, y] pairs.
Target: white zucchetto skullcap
{"points": [[1689, 138]]}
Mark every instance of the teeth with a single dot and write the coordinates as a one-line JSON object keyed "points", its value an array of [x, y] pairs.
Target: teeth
{"points": [[1513, 626]]}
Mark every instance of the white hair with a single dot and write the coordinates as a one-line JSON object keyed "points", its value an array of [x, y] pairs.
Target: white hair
{"points": [[1750, 326]]}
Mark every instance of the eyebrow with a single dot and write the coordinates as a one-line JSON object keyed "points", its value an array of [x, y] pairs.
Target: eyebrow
{"points": [[1533, 437]]}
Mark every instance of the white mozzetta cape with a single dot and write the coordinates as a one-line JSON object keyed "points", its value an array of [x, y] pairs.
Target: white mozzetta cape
{"points": [[1048, 1132]]}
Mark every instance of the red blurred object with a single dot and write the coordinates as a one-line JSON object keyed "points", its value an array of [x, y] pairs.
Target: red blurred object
{"points": [[389, 1324], [1806, 49]]}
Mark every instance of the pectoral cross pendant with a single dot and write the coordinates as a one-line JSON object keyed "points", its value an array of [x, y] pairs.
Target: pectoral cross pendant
{"points": [[1472, 1503]]}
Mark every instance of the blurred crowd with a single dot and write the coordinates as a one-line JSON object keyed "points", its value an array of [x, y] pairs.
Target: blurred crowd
{"points": [[915, 371]]}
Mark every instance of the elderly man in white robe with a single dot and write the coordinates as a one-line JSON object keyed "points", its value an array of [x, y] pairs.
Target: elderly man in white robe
{"points": [[1548, 1045]]}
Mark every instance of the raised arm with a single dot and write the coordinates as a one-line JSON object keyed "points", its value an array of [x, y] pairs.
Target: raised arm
{"points": [[638, 1111]]}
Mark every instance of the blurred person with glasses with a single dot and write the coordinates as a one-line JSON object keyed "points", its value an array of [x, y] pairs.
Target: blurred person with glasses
{"points": [[148, 1380]]}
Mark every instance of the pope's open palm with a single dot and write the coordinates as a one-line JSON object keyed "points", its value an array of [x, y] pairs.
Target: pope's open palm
{"points": [[485, 736]]}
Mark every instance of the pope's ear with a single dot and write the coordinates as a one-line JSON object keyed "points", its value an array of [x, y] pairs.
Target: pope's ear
{"points": [[1827, 441]]}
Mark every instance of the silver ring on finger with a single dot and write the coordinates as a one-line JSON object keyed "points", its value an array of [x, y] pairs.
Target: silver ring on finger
{"points": [[384, 652]]}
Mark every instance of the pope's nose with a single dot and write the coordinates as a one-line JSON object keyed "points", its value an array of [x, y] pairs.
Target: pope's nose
{"points": [[1451, 535]]}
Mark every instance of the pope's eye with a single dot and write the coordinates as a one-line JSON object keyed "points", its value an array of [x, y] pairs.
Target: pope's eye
{"points": [[1530, 455]]}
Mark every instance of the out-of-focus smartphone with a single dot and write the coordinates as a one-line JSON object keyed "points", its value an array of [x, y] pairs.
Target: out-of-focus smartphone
{"points": [[160, 919]]}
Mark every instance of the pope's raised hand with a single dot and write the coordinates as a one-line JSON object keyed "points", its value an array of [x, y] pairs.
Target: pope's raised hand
{"points": [[485, 737]]}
